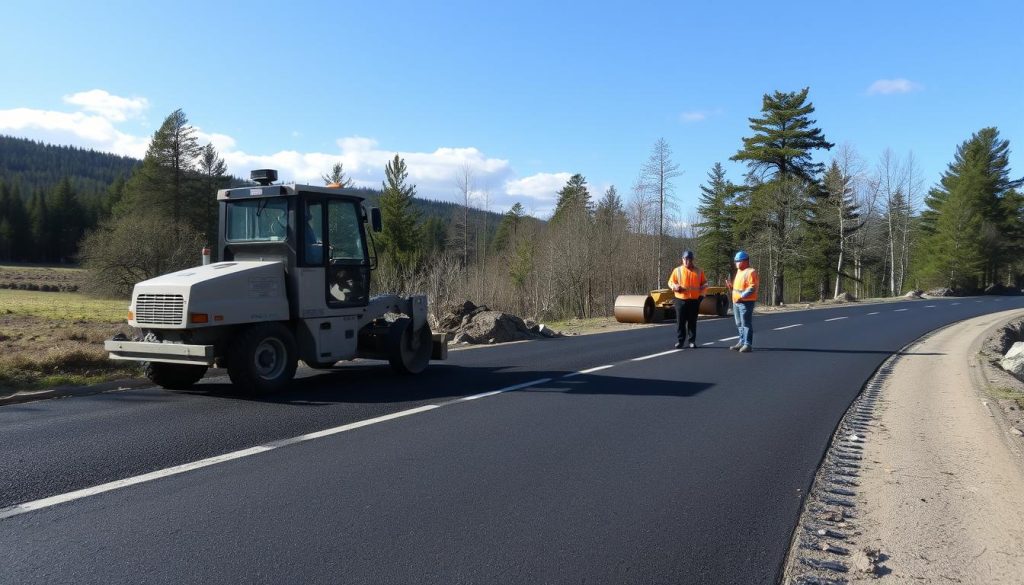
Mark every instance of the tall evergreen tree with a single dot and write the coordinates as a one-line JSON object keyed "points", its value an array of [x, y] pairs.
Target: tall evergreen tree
{"points": [[42, 234], [980, 177], [717, 228], [212, 175], [66, 219], [400, 234], [508, 229], [573, 199], [780, 152], [164, 182]]}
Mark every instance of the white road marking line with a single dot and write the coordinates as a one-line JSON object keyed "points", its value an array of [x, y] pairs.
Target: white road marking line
{"points": [[898, 310], [929, 306], [729, 338], [875, 313], [501, 390], [24, 507], [787, 327], [654, 355], [708, 343], [591, 370], [836, 318], [954, 304]]}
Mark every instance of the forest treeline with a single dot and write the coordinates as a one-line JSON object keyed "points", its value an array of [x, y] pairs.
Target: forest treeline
{"points": [[817, 219]]}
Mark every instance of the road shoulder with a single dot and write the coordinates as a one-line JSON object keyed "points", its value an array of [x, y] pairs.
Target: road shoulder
{"points": [[932, 476]]}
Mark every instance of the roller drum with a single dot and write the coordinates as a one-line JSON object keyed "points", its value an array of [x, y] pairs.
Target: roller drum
{"points": [[634, 309]]}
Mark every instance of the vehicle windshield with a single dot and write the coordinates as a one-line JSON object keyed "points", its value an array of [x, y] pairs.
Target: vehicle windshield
{"points": [[257, 220]]}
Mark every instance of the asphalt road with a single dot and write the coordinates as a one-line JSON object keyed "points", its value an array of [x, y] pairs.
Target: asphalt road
{"points": [[687, 467]]}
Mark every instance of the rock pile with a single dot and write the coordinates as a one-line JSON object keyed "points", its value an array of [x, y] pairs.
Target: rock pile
{"points": [[1013, 361], [914, 294], [468, 323], [844, 297], [941, 292]]}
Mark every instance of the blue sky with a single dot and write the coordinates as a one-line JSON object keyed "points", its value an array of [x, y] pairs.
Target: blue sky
{"points": [[522, 93]]}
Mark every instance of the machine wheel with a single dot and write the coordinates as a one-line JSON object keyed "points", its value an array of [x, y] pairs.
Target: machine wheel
{"points": [[262, 358], [174, 376], [722, 305], [408, 353]]}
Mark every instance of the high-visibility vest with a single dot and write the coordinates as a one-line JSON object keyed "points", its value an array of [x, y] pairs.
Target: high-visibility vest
{"points": [[745, 279], [693, 280]]}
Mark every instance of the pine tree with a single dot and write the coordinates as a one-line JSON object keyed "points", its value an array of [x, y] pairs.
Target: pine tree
{"points": [[718, 224], [508, 228], [573, 199], [400, 234], [42, 234], [163, 183], [971, 195], [780, 152], [212, 176], [336, 176], [66, 220]]}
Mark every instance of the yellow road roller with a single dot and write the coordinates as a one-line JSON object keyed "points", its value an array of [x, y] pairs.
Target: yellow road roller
{"points": [[658, 305]]}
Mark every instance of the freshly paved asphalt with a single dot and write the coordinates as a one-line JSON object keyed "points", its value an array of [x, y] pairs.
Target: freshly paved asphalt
{"points": [[683, 468]]}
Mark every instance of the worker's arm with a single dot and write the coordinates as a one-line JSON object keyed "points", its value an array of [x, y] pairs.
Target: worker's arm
{"points": [[752, 282], [673, 283]]}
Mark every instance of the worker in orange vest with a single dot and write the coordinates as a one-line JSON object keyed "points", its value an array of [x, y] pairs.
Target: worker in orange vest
{"points": [[688, 283], [744, 295]]}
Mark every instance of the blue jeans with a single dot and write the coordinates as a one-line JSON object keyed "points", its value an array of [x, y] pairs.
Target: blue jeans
{"points": [[743, 313]]}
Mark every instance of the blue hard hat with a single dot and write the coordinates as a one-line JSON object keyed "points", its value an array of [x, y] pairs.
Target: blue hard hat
{"points": [[688, 254], [741, 255]]}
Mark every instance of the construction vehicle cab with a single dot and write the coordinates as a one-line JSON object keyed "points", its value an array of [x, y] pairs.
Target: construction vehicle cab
{"points": [[293, 282]]}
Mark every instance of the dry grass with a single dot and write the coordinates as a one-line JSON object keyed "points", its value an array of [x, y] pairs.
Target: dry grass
{"points": [[50, 339], [41, 278]]}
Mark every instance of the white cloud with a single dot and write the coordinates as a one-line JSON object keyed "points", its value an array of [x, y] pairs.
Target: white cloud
{"points": [[541, 187], [698, 115], [111, 107], [78, 128], [888, 86]]}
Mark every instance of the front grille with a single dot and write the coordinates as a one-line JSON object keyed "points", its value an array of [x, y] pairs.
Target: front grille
{"points": [[160, 309]]}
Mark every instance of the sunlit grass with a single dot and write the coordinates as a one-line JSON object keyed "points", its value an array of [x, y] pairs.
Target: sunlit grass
{"points": [[62, 306]]}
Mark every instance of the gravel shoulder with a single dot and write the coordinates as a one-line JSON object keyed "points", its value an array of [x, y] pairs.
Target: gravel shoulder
{"points": [[942, 477]]}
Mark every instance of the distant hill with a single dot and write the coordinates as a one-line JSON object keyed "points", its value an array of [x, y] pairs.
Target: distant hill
{"points": [[36, 166]]}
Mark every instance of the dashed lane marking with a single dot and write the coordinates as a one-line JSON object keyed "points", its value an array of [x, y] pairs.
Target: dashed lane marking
{"points": [[589, 371], [654, 355], [708, 343], [729, 338], [874, 313], [787, 327], [898, 310], [836, 318]]}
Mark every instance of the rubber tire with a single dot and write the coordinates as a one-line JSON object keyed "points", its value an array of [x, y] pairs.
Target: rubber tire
{"points": [[722, 305], [242, 355], [174, 376], [401, 356]]}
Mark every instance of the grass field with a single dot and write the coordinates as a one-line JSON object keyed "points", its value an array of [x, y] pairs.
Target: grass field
{"points": [[52, 338]]}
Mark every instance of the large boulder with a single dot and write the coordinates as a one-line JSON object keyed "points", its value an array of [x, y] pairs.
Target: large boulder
{"points": [[844, 297], [1013, 361], [941, 292], [914, 294]]}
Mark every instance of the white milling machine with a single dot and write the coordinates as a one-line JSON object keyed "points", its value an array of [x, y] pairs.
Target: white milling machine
{"points": [[293, 283]]}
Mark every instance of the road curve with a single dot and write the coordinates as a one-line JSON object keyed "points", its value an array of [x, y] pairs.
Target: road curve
{"points": [[654, 466]]}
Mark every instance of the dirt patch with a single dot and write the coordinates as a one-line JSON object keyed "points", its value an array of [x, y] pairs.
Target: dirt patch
{"points": [[36, 352]]}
